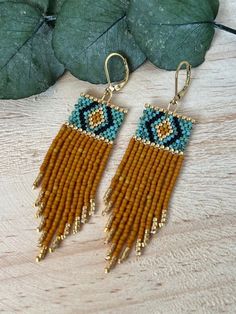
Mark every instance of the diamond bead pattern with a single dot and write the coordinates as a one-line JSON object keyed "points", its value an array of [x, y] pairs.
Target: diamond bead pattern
{"points": [[164, 128], [97, 118]]}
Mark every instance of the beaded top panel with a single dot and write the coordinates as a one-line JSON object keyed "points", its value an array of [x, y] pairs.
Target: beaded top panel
{"points": [[164, 128], [97, 117]]}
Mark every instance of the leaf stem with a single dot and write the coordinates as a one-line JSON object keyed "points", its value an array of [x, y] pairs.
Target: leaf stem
{"points": [[224, 28]]}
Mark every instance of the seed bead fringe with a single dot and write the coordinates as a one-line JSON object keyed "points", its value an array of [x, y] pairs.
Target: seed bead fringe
{"points": [[142, 201], [96, 159], [139, 194], [64, 226], [126, 172], [77, 186], [133, 187], [120, 205], [156, 172], [172, 184], [157, 213], [124, 218], [50, 188], [81, 208], [98, 174], [127, 158], [60, 137], [58, 152], [145, 196], [163, 168], [70, 174], [117, 209], [58, 179], [59, 205]]}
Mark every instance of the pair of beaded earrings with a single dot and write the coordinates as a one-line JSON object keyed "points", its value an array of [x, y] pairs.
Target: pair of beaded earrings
{"points": [[138, 197]]}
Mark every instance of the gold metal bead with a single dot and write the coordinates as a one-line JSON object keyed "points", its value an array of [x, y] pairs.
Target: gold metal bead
{"points": [[76, 225], [124, 255], [138, 247], [109, 236], [107, 209], [37, 180], [146, 238], [107, 195], [42, 237], [111, 264], [66, 230], [39, 211], [92, 207], [42, 254], [55, 244], [109, 223], [41, 225], [84, 214], [110, 251], [39, 198]]}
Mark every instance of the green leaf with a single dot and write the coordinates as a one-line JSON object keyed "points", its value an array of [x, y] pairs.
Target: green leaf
{"points": [[55, 6], [87, 31], [40, 4], [171, 31], [27, 62]]}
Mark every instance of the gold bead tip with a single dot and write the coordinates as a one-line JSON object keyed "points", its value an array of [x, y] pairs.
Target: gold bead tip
{"points": [[39, 199], [138, 247], [154, 225], [109, 236], [76, 227], [107, 195], [39, 211], [107, 209], [111, 264], [55, 244], [124, 255], [67, 230], [84, 215], [92, 207], [42, 254], [37, 181], [146, 238]]}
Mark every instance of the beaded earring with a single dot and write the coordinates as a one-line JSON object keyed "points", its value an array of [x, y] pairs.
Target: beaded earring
{"points": [[73, 166], [140, 191]]}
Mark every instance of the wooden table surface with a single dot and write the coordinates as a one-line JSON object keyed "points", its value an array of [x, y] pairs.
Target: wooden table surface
{"points": [[190, 265]]}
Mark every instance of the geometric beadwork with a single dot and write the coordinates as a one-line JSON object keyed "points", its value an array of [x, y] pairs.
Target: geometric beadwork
{"points": [[164, 128], [100, 119]]}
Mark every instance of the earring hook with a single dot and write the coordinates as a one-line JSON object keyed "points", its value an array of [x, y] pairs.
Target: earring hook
{"points": [[119, 85], [180, 94]]}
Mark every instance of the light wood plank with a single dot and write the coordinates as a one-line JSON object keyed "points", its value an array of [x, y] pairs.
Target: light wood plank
{"points": [[190, 266]]}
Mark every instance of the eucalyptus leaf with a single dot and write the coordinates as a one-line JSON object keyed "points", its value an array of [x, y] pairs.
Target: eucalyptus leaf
{"points": [[87, 31], [42, 5], [55, 6], [27, 62], [171, 31]]}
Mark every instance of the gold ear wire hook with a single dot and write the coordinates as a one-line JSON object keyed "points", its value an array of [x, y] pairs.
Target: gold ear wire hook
{"points": [[180, 94], [114, 87]]}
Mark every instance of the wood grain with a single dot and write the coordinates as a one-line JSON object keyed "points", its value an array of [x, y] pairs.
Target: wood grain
{"points": [[190, 266]]}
